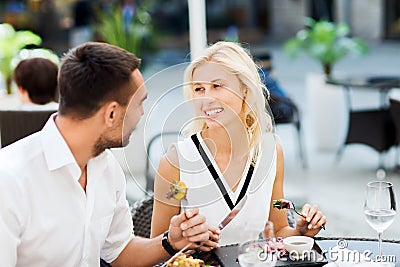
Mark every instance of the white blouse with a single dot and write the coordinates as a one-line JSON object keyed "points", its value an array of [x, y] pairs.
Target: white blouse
{"points": [[216, 201]]}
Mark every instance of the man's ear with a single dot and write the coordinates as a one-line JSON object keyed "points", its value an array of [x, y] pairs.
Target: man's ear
{"points": [[111, 113]]}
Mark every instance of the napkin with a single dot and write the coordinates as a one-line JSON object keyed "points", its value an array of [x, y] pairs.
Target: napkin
{"points": [[344, 257]]}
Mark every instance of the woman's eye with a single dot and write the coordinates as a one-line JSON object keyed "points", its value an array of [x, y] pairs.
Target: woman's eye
{"points": [[198, 89], [216, 85]]}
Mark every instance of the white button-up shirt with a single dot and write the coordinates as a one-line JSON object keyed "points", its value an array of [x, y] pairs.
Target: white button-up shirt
{"points": [[46, 219]]}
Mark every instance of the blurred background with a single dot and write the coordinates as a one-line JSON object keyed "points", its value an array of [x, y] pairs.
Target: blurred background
{"points": [[255, 20], [158, 32]]}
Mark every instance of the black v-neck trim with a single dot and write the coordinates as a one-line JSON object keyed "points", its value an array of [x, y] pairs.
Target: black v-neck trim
{"points": [[216, 177]]}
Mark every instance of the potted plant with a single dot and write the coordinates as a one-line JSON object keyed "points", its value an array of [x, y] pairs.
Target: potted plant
{"points": [[11, 42], [325, 41], [137, 37], [35, 53]]}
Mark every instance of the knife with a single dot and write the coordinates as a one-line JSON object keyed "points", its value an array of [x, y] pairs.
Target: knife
{"points": [[223, 223], [233, 213]]}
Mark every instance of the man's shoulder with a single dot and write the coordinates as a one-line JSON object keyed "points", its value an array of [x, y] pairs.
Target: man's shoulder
{"points": [[109, 156], [112, 163], [17, 156]]}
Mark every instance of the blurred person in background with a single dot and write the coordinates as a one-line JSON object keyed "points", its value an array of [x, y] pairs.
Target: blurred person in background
{"points": [[128, 13], [81, 30], [49, 24], [281, 105], [36, 79]]}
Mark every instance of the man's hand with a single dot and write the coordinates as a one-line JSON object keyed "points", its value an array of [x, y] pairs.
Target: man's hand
{"points": [[214, 234], [188, 227]]}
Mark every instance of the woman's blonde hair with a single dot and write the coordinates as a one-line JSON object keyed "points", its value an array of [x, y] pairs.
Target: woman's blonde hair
{"points": [[239, 62]]}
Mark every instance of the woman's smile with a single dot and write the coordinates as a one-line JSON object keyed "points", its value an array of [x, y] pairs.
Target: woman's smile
{"points": [[213, 113]]}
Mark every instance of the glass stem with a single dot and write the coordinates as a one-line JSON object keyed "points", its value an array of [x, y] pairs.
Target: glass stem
{"points": [[380, 244]]}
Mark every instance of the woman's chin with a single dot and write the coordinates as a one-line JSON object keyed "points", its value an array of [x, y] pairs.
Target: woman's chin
{"points": [[213, 124]]}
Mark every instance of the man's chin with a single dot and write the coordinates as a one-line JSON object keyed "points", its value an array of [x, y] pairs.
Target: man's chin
{"points": [[103, 144], [126, 139], [125, 143]]}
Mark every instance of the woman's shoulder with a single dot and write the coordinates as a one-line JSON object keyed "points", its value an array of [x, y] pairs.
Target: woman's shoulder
{"points": [[182, 147], [171, 156], [186, 146], [168, 167]]}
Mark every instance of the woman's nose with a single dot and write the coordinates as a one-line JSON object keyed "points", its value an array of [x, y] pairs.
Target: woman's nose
{"points": [[208, 91], [208, 96]]}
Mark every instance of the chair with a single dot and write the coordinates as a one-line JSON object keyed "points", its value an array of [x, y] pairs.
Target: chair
{"points": [[374, 128], [395, 112], [285, 111], [17, 124], [142, 212]]}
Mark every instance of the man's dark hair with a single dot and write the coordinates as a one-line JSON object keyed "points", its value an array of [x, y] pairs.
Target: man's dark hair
{"points": [[92, 74], [38, 76]]}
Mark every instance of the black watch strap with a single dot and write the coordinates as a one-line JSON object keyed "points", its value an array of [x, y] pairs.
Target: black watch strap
{"points": [[167, 246]]}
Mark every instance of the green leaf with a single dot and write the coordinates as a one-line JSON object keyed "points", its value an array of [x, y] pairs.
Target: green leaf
{"points": [[137, 38], [325, 41], [11, 42]]}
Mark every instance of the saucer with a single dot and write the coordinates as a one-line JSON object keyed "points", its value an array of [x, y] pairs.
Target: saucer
{"points": [[307, 256], [297, 257]]}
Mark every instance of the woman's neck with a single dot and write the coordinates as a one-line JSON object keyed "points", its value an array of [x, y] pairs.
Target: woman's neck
{"points": [[233, 141]]}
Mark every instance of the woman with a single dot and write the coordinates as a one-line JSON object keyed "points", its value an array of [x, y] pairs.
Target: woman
{"points": [[232, 134]]}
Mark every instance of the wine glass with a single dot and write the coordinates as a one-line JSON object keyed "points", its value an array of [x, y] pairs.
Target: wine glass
{"points": [[260, 251], [380, 207]]}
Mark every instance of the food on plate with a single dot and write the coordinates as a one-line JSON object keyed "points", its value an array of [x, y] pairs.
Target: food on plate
{"points": [[186, 261]]}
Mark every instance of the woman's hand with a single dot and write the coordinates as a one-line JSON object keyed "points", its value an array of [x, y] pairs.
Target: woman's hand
{"points": [[214, 237], [310, 223]]}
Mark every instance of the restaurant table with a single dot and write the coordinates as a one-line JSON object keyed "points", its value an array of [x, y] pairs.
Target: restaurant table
{"points": [[390, 248], [325, 246], [372, 127]]}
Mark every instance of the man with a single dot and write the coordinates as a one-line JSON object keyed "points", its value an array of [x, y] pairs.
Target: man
{"points": [[62, 193]]}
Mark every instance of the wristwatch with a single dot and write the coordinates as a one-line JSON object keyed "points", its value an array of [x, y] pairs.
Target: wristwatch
{"points": [[167, 246]]}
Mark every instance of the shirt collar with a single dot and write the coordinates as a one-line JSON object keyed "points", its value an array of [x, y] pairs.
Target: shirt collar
{"points": [[56, 150], [58, 154]]}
